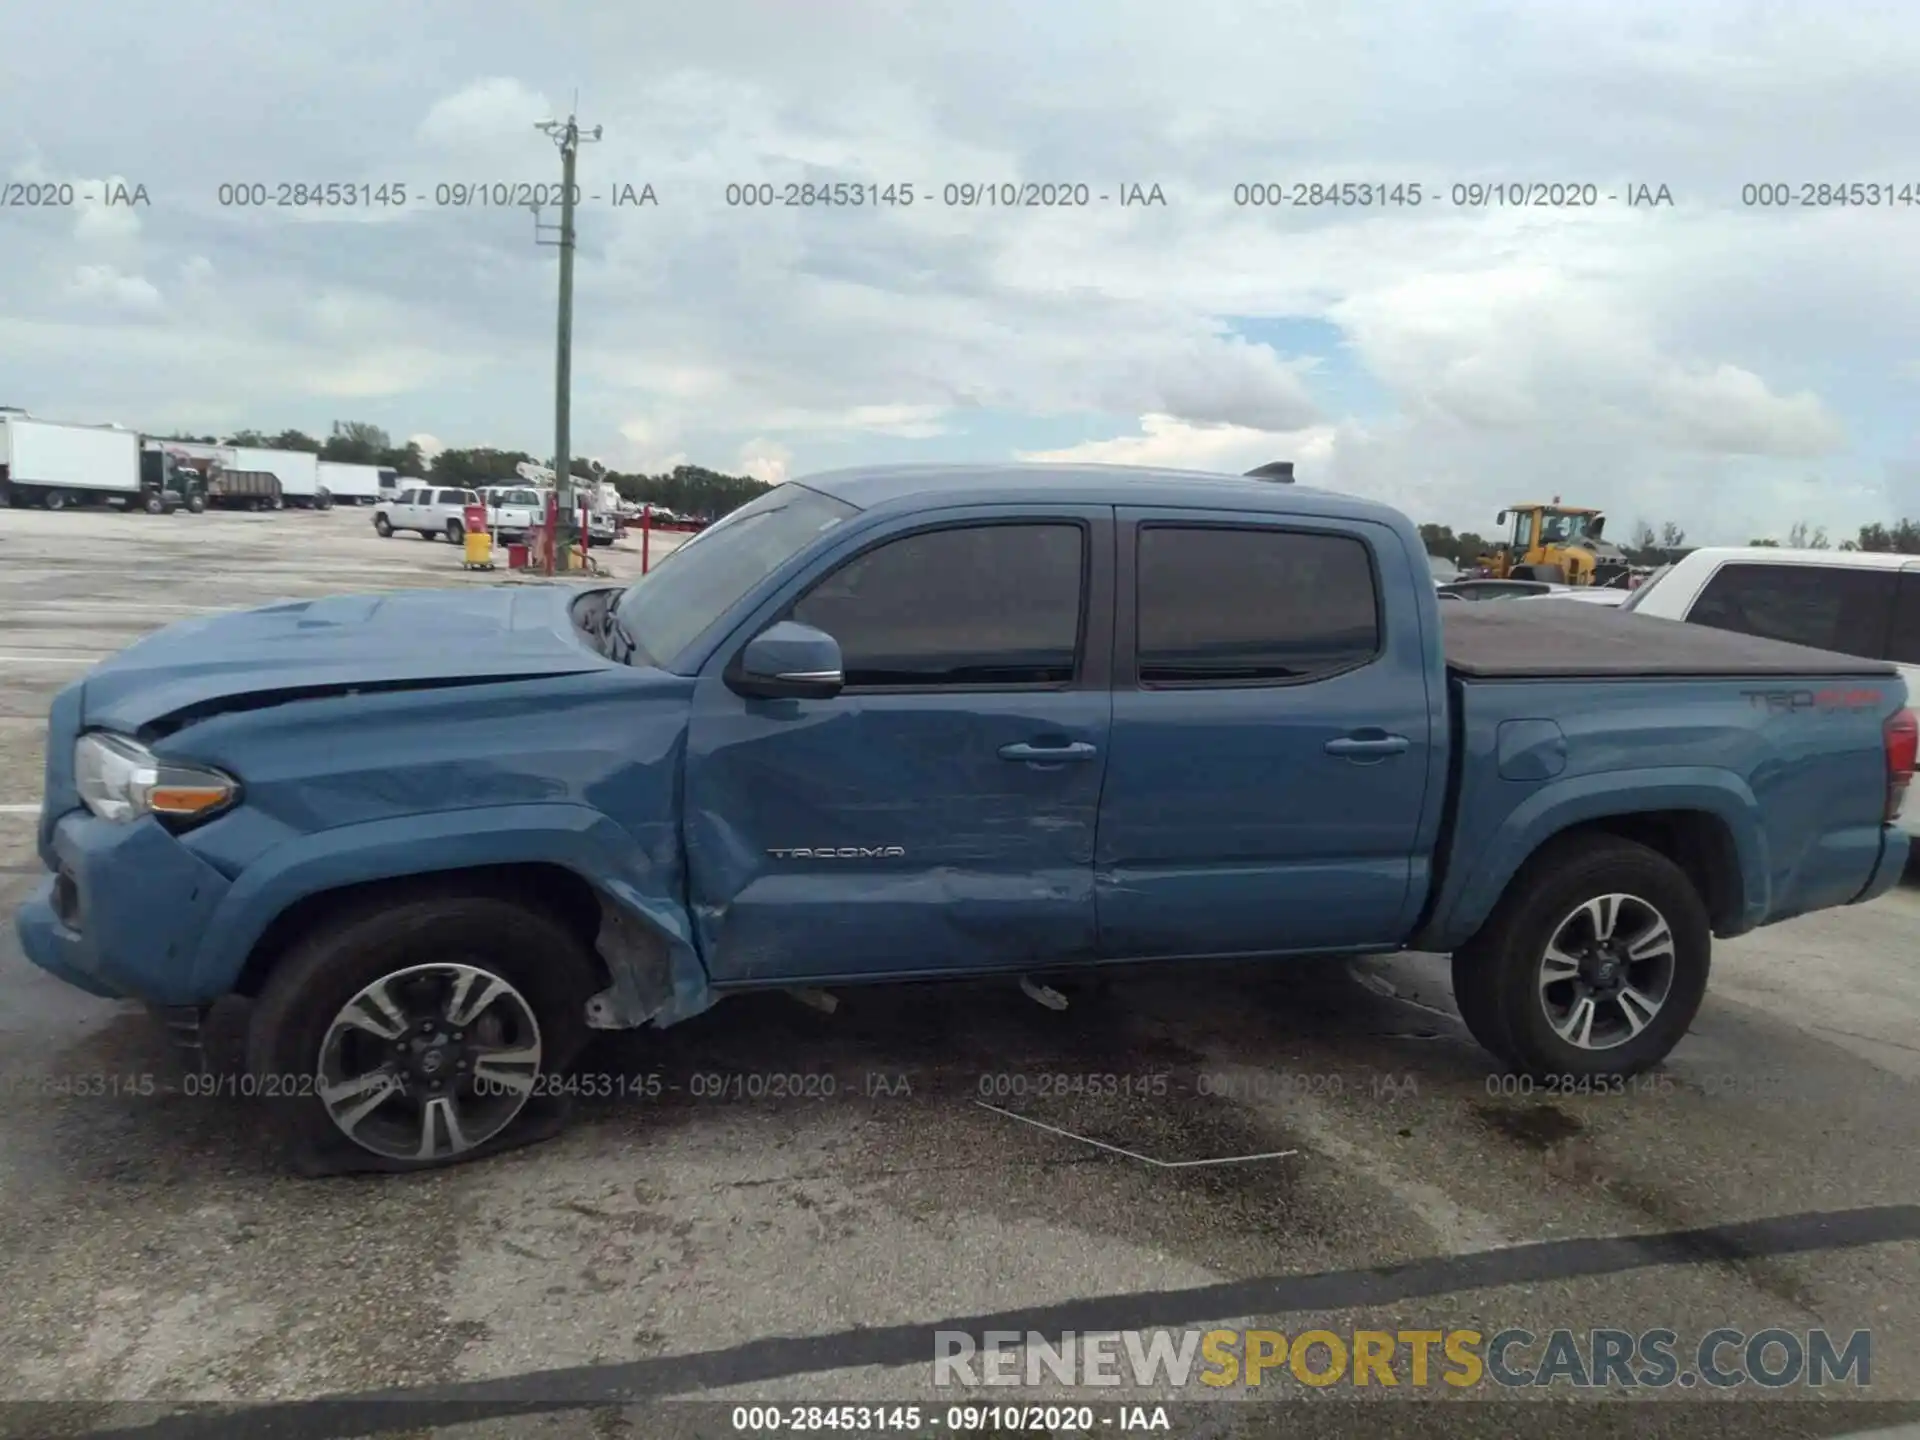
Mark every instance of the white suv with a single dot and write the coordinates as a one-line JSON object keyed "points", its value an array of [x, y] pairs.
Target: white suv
{"points": [[1857, 602], [427, 511]]}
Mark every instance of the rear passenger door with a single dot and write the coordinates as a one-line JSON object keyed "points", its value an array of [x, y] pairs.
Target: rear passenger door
{"points": [[1269, 761]]}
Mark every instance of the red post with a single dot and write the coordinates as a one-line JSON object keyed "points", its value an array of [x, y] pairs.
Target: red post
{"points": [[586, 526], [646, 536], [553, 525]]}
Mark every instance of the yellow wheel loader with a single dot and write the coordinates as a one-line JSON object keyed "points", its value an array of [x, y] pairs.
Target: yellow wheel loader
{"points": [[1563, 544]]}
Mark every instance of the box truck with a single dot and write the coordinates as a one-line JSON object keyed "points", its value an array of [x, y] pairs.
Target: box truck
{"points": [[57, 465], [352, 484], [298, 472]]}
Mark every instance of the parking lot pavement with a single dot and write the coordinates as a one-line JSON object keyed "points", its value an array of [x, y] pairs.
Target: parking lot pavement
{"points": [[952, 1155]]}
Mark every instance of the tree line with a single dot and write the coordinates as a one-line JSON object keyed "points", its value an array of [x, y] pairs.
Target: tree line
{"points": [[686, 489]]}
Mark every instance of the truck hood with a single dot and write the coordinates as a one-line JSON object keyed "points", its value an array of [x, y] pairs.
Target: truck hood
{"points": [[341, 642]]}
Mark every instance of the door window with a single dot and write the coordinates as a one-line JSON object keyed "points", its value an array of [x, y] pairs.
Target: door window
{"points": [[991, 605], [1233, 606], [1830, 607], [452, 497]]}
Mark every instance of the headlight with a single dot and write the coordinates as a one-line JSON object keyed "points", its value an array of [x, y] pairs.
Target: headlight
{"points": [[121, 780]]}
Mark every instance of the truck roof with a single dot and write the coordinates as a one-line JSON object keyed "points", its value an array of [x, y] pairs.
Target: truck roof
{"points": [[870, 487]]}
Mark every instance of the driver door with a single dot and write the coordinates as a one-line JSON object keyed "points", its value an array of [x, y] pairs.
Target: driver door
{"points": [[938, 815]]}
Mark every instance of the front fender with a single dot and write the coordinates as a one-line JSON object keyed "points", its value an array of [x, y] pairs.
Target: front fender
{"points": [[1477, 874], [640, 877]]}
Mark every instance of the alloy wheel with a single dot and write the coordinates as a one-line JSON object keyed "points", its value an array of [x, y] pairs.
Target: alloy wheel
{"points": [[1607, 971], [429, 1062]]}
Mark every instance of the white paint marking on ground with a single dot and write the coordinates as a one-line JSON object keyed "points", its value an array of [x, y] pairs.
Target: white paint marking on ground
{"points": [[19, 809], [53, 659], [1143, 1159]]}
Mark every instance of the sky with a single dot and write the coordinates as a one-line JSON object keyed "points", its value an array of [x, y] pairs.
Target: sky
{"points": [[1732, 367]]}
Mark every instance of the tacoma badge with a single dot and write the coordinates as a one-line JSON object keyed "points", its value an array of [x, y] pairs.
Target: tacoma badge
{"points": [[840, 852]]}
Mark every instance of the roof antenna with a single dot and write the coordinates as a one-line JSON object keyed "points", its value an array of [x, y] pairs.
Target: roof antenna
{"points": [[1279, 471]]}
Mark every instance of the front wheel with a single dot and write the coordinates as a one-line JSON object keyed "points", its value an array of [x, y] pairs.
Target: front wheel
{"points": [[456, 532], [1594, 963], [421, 1034], [196, 504], [383, 527]]}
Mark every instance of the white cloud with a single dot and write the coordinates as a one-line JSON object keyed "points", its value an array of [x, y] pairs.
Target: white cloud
{"points": [[764, 460], [1166, 441], [485, 113], [103, 284]]}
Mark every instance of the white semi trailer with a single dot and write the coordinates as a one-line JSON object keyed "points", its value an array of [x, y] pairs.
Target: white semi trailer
{"points": [[297, 470], [352, 484], [56, 465]]}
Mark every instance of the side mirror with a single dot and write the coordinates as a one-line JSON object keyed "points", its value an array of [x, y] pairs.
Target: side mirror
{"points": [[1501, 518], [788, 661]]}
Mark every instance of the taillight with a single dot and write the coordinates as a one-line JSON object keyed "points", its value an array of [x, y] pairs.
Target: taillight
{"points": [[1902, 736]]}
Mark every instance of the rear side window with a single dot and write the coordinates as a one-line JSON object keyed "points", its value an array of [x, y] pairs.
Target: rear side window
{"points": [[1830, 607], [1220, 606], [973, 605], [1903, 642], [452, 497]]}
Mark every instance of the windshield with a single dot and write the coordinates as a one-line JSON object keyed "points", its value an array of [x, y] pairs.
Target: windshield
{"points": [[666, 610], [1640, 592]]}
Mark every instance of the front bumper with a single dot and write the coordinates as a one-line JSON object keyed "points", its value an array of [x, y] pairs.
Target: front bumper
{"points": [[123, 914]]}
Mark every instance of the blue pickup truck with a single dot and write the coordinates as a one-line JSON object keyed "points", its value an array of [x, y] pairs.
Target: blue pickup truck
{"points": [[930, 722]]}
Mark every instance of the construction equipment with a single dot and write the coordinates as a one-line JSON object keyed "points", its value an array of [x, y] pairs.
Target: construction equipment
{"points": [[1564, 544]]}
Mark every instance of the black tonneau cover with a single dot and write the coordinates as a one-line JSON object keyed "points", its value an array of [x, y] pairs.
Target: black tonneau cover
{"points": [[1518, 639]]}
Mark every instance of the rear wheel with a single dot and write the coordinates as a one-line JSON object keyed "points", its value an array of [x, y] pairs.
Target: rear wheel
{"points": [[156, 505], [421, 1034], [1594, 963], [54, 500]]}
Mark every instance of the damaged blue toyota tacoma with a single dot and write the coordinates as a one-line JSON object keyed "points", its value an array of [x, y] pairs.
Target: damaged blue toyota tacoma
{"points": [[920, 723]]}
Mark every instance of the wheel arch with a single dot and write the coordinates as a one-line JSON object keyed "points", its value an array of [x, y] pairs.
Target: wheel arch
{"points": [[570, 862], [1706, 823]]}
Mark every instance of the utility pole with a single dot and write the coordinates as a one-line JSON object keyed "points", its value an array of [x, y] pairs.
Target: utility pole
{"points": [[569, 137]]}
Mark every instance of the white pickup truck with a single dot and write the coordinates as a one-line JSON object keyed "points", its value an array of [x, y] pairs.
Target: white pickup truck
{"points": [[511, 510]]}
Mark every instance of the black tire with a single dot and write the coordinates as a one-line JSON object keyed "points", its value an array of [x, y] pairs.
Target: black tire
{"points": [[54, 500], [456, 532], [383, 527], [1497, 975], [543, 960], [156, 505], [196, 504], [279, 502]]}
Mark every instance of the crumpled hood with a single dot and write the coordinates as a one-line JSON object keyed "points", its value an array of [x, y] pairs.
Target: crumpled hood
{"points": [[428, 636]]}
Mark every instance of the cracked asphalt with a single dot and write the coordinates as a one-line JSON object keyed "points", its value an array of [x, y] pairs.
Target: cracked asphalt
{"points": [[773, 1204]]}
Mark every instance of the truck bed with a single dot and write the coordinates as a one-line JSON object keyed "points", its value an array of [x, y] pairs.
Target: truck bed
{"points": [[1555, 639]]}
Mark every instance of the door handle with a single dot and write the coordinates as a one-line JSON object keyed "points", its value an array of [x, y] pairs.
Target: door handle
{"points": [[1049, 754], [1372, 747]]}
